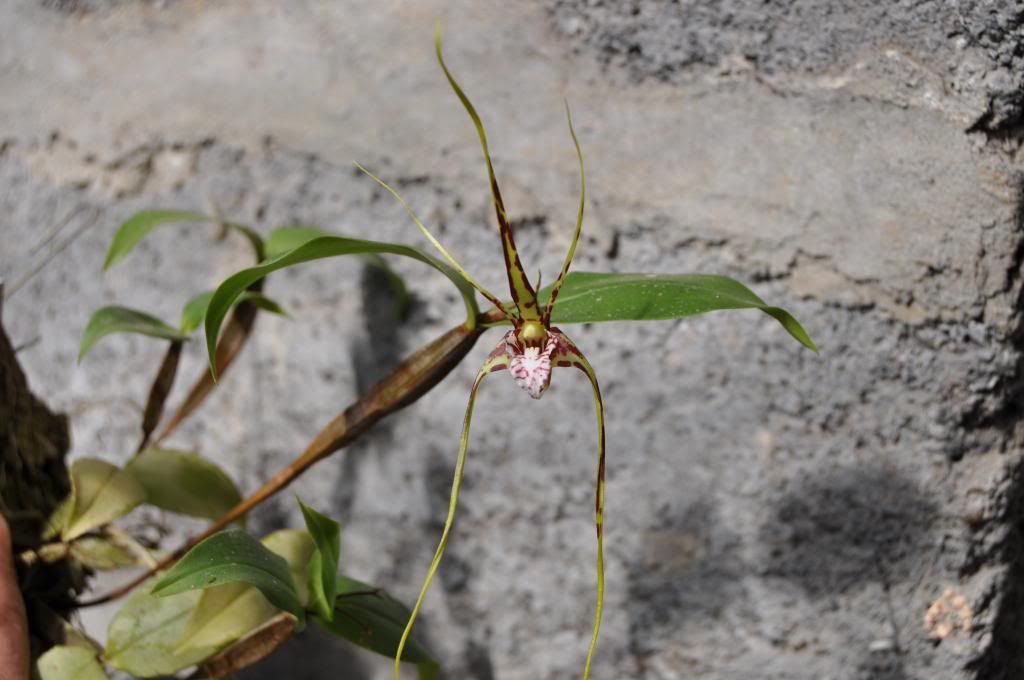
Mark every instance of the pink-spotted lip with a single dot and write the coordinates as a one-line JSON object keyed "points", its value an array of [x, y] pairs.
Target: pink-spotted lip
{"points": [[531, 366]]}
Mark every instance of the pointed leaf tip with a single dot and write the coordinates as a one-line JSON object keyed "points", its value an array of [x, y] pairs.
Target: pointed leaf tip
{"points": [[588, 297], [115, 319]]}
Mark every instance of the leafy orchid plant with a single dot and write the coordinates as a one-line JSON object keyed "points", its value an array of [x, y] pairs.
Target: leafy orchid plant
{"points": [[529, 352], [233, 598]]}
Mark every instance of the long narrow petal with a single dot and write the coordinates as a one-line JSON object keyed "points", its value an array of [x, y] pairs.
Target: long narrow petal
{"points": [[570, 355], [497, 361], [519, 284], [579, 224], [437, 244]]}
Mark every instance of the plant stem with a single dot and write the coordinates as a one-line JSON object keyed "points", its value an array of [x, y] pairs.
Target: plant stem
{"points": [[409, 381]]}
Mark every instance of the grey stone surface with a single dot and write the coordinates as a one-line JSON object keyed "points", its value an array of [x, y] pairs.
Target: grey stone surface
{"points": [[771, 514]]}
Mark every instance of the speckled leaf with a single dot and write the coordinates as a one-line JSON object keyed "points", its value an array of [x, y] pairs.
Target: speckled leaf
{"points": [[139, 225], [229, 612], [316, 249], [233, 557], [143, 635], [184, 482], [109, 320], [594, 297], [70, 663], [100, 493]]}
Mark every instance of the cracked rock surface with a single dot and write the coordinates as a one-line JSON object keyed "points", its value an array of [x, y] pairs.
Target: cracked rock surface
{"points": [[771, 514]]}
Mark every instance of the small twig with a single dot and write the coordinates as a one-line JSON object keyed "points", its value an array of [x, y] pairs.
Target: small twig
{"points": [[20, 283], [162, 383], [56, 229]]}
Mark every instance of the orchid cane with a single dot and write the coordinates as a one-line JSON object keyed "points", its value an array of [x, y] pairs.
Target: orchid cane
{"points": [[529, 352]]}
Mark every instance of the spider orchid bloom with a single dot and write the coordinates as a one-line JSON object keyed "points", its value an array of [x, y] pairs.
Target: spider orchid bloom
{"points": [[528, 352]]}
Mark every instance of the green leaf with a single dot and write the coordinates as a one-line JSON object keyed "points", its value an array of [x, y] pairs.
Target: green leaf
{"points": [[262, 302], [143, 636], [194, 312], [184, 482], [594, 297], [371, 618], [140, 224], [319, 248], [229, 612], [285, 239], [233, 557], [124, 320], [100, 493], [70, 663], [323, 567]]}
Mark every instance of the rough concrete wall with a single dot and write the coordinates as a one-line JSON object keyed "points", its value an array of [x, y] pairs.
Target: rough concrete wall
{"points": [[771, 514]]}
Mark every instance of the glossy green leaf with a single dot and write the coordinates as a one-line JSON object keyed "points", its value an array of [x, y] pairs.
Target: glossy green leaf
{"points": [[284, 239], [316, 249], [229, 612], [102, 554], [141, 224], [233, 557], [371, 618], [323, 567], [184, 482], [194, 312], [115, 319], [143, 636], [100, 493], [70, 663], [588, 297]]}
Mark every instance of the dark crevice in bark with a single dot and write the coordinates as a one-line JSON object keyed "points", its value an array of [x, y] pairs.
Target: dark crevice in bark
{"points": [[33, 480]]}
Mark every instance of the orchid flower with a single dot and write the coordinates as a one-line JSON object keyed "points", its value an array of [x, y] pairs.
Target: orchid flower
{"points": [[529, 352]]}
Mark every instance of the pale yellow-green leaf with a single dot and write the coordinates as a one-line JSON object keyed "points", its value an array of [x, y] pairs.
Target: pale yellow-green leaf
{"points": [[101, 492], [225, 613], [184, 482], [101, 554], [58, 519], [143, 636], [70, 663], [73, 637], [228, 612], [296, 546]]}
